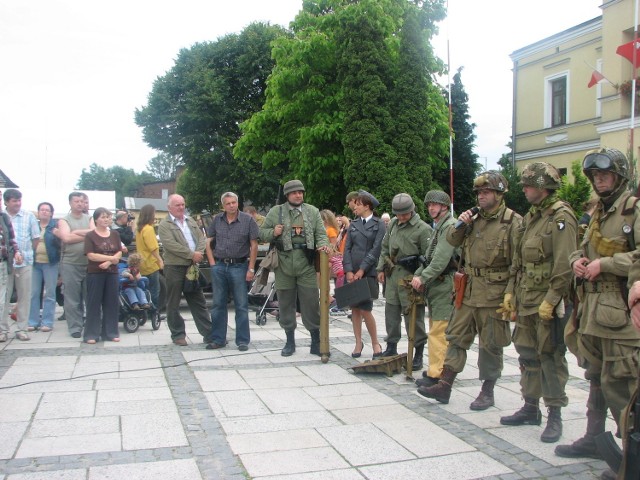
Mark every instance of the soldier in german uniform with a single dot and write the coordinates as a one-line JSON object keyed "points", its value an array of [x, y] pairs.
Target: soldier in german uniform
{"points": [[297, 230], [436, 279], [487, 245], [607, 340], [405, 240], [548, 234]]}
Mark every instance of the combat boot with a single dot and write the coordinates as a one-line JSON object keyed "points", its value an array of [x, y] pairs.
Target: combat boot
{"points": [[553, 430], [442, 390], [529, 414], [417, 358], [426, 381], [485, 397], [315, 342], [392, 349], [596, 418], [289, 347], [608, 474]]}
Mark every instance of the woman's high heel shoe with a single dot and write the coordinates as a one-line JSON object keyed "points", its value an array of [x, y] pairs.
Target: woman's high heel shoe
{"points": [[358, 354], [379, 354]]}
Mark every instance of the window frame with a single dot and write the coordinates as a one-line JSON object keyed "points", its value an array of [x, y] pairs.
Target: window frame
{"points": [[549, 99]]}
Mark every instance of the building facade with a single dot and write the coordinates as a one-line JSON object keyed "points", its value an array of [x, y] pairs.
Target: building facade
{"points": [[557, 117]]}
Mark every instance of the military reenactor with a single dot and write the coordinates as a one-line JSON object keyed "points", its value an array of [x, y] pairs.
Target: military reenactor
{"points": [[406, 239], [607, 339], [436, 280], [549, 233], [486, 235], [298, 231]]}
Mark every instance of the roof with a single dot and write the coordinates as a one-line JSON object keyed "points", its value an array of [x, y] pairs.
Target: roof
{"points": [[5, 182], [135, 203]]}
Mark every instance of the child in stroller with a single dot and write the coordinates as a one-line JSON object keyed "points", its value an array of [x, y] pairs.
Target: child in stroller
{"points": [[135, 299], [133, 285]]}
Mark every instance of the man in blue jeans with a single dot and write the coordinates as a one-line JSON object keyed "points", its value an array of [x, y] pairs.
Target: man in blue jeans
{"points": [[232, 249]]}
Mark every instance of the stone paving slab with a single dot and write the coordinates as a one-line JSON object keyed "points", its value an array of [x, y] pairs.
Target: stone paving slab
{"points": [[146, 408]]}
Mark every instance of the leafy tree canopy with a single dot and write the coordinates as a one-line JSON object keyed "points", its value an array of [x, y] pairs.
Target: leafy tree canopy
{"points": [[163, 166], [124, 181], [194, 110]]}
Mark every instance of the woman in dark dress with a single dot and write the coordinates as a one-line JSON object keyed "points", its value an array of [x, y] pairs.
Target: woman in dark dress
{"points": [[103, 249], [364, 242]]}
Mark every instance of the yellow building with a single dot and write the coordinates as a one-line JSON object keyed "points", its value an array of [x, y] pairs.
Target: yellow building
{"points": [[557, 118]]}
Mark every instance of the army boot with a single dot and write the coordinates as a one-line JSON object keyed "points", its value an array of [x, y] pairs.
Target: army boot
{"points": [[553, 430], [608, 474], [442, 390], [392, 349], [529, 414], [586, 446], [315, 342], [417, 358], [426, 381], [596, 418], [485, 397], [289, 347]]}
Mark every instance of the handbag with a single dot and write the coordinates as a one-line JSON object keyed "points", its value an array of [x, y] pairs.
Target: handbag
{"points": [[353, 293], [194, 280]]}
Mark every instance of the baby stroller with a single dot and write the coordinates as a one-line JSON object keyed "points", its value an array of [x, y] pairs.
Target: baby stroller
{"points": [[262, 296], [132, 318]]}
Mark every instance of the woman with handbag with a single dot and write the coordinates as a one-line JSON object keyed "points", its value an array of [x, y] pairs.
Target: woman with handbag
{"points": [[364, 242]]}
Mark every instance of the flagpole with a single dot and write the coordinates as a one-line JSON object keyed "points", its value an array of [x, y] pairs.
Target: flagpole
{"points": [[450, 117], [633, 87]]}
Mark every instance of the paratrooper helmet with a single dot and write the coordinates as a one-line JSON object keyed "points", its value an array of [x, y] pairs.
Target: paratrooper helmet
{"points": [[402, 203], [541, 175], [491, 180], [437, 196], [609, 159]]}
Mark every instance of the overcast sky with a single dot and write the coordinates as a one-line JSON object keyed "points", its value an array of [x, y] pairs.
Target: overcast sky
{"points": [[74, 71]]}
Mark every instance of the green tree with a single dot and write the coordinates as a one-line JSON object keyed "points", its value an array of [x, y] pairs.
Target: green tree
{"points": [[328, 114], [514, 198], [163, 166], [465, 161], [194, 110], [125, 181], [575, 193]]}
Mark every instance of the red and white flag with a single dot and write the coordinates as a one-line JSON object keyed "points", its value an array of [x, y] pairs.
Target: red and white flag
{"points": [[627, 51], [596, 77]]}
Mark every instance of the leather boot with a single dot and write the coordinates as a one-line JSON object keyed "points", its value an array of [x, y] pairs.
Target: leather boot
{"points": [[442, 390], [427, 381], [485, 397], [392, 349], [586, 446], [290, 346], [315, 342], [417, 358], [596, 418], [529, 414], [553, 430]]}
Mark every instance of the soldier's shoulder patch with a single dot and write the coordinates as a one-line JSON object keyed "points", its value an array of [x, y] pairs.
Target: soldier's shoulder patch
{"points": [[560, 223]]}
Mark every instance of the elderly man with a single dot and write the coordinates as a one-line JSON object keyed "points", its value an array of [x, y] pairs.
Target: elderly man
{"points": [[232, 253], [9, 253], [183, 244], [73, 267], [27, 232], [297, 230]]}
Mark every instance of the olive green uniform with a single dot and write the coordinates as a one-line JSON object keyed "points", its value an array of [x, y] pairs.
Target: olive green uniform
{"points": [[541, 261], [295, 275], [437, 278], [607, 340], [403, 240], [487, 249]]}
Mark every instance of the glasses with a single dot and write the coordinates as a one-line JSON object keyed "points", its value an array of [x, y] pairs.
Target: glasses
{"points": [[597, 161]]}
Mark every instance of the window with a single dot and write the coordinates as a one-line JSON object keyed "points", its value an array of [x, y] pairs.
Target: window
{"points": [[559, 102]]}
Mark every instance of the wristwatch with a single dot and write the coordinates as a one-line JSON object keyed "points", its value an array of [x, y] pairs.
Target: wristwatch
{"points": [[252, 270]]}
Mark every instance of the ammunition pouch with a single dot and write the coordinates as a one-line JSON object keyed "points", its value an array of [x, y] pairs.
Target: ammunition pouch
{"points": [[536, 276]]}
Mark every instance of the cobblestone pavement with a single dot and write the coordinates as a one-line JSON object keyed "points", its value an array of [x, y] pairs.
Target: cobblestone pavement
{"points": [[146, 409]]}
